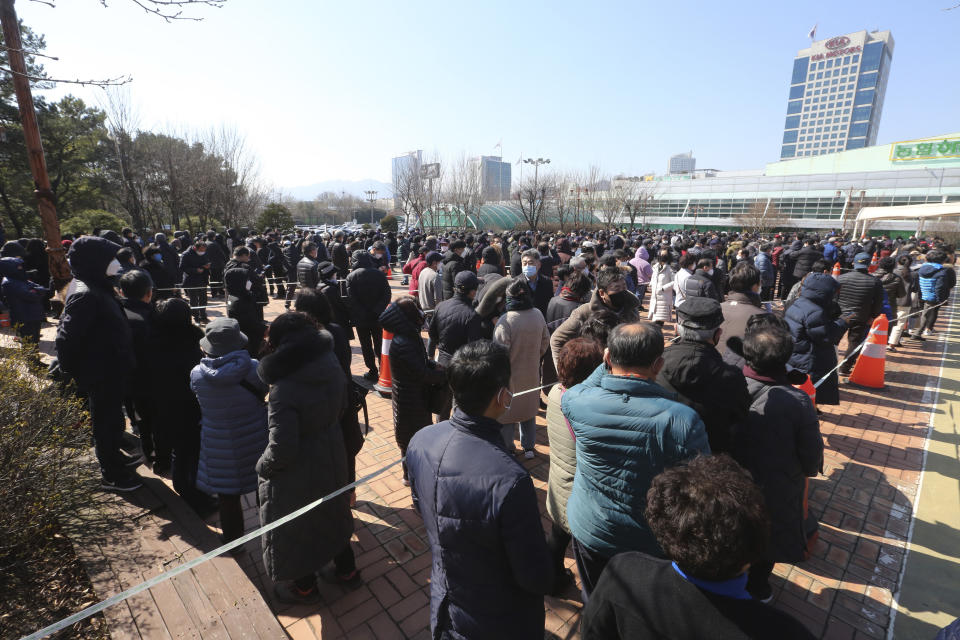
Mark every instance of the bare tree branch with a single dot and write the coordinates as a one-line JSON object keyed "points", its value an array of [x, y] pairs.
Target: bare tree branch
{"points": [[28, 52], [109, 82], [171, 10]]}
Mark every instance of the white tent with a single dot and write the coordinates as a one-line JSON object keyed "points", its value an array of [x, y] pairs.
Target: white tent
{"points": [[919, 212]]}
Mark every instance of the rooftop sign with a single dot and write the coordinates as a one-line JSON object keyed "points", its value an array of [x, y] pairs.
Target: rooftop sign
{"points": [[925, 150]]}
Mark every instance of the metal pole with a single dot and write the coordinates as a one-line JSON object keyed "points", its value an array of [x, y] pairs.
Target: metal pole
{"points": [[59, 269]]}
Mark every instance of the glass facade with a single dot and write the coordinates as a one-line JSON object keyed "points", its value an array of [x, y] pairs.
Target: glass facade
{"points": [[835, 100]]}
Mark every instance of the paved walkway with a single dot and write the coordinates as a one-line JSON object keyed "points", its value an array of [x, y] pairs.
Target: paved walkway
{"points": [[875, 441]]}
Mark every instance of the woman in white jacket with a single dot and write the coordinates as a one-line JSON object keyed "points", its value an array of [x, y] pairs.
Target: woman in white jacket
{"points": [[661, 290]]}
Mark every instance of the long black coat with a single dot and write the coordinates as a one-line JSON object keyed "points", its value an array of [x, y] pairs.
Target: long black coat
{"points": [[174, 352], [242, 307], [339, 305], [369, 293], [195, 268], [452, 265], [412, 372], [455, 323], [817, 329], [305, 458], [780, 444], [714, 389]]}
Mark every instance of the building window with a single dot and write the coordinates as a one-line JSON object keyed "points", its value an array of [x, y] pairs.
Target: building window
{"points": [[800, 69], [856, 57], [792, 122], [794, 106], [867, 81]]}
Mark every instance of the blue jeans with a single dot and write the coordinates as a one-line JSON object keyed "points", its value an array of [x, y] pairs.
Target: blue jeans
{"points": [[528, 433]]}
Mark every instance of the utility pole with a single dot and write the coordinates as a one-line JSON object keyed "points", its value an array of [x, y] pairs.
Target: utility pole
{"points": [[59, 269]]}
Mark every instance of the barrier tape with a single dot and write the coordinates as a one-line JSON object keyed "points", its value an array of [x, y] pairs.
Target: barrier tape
{"points": [[143, 586]]}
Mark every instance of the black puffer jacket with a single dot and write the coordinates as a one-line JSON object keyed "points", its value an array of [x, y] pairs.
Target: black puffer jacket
{"points": [[307, 273], [291, 254], [714, 389], [454, 324], [699, 285], [339, 306], [412, 372], [861, 294], [368, 290], [894, 285], [94, 343], [340, 259], [452, 265], [195, 268], [216, 255], [805, 259]]}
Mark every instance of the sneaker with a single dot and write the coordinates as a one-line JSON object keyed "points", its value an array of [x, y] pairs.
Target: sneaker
{"points": [[351, 581], [406, 482], [371, 375], [122, 485], [288, 593], [529, 454], [929, 334], [914, 336]]}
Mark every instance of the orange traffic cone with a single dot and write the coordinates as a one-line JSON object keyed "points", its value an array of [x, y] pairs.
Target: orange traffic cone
{"points": [[389, 272], [836, 271], [384, 385], [873, 263], [868, 372], [808, 388]]}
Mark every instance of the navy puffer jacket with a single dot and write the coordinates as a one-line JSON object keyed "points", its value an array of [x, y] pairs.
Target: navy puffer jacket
{"points": [[233, 426], [491, 567], [816, 329]]}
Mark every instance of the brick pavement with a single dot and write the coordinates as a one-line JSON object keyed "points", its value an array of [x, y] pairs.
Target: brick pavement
{"points": [[874, 453]]}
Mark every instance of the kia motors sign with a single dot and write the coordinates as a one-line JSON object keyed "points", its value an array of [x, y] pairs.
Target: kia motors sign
{"points": [[837, 43]]}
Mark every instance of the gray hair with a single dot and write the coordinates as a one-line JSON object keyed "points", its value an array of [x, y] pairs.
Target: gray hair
{"points": [[578, 263], [697, 335]]}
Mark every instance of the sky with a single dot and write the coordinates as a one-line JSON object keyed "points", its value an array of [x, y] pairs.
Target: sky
{"points": [[332, 90]]}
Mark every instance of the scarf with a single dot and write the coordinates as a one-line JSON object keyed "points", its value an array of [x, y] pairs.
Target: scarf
{"points": [[566, 294]]}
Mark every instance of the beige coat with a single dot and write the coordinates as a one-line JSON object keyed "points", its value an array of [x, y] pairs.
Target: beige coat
{"points": [[525, 334], [661, 294], [563, 460]]}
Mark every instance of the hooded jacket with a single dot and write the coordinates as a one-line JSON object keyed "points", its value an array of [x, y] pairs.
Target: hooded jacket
{"points": [[935, 282], [412, 372], [817, 328], [24, 298], [305, 458], [93, 340], [452, 265]]}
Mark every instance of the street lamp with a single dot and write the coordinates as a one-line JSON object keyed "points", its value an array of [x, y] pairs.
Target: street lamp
{"points": [[371, 198]]}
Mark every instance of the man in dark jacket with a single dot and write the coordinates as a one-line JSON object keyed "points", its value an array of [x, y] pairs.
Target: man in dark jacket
{"points": [[805, 259], [130, 242], [700, 284], [308, 277], [218, 259], [742, 302], [339, 256], [540, 284], [455, 323], [695, 371], [452, 265], [171, 260], [369, 294], [861, 300], [710, 520], [291, 254], [330, 289], [94, 346], [195, 266], [491, 566]]}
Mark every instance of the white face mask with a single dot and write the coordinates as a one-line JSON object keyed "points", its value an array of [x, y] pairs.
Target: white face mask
{"points": [[113, 268], [510, 403], [710, 272], [249, 285]]}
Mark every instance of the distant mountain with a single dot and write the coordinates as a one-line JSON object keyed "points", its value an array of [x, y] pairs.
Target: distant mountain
{"points": [[352, 187]]}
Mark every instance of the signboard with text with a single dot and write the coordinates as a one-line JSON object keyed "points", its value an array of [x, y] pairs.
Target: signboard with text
{"points": [[925, 150]]}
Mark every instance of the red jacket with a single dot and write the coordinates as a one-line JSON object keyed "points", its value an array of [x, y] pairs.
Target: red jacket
{"points": [[408, 269]]}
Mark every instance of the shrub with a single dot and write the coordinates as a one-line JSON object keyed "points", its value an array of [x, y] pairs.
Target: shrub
{"points": [[45, 476], [389, 223], [87, 220]]}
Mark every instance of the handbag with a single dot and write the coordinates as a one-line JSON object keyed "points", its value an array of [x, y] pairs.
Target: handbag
{"points": [[436, 397]]}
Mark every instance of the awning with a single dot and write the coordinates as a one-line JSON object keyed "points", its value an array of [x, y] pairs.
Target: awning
{"points": [[918, 212]]}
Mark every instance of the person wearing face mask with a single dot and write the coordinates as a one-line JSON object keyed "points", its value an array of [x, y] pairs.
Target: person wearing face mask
{"points": [[242, 307], [694, 369], [741, 304], [628, 429], [540, 284], [452, 265], [491, 564], [195, 267], [95, 347], [153, 264], [700, 283], [611, 294]]}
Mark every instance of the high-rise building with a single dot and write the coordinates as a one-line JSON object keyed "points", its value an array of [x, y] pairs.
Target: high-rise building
{"points": [[683, 163], [494, 178], [407, 165], [836, 94]]}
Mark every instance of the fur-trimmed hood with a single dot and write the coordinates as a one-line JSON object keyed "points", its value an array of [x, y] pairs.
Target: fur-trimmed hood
{"points": [[293, 354]]}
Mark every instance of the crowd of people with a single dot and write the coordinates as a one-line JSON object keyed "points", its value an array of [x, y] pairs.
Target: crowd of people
{"points": [[678, 469]]}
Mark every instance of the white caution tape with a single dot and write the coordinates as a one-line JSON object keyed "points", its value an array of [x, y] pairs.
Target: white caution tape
{"points": [[143, 586]]}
